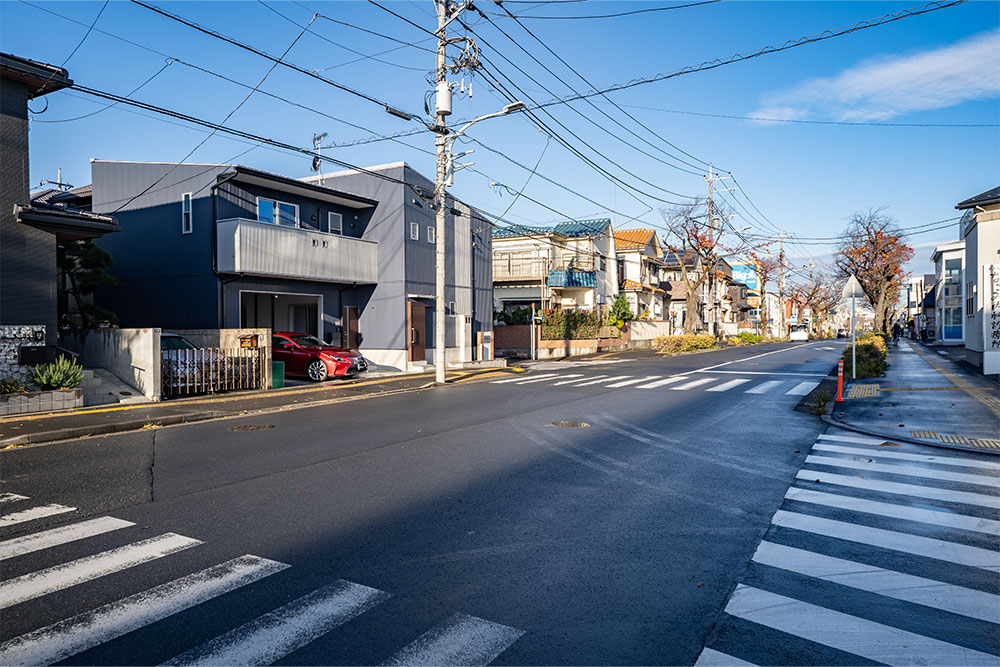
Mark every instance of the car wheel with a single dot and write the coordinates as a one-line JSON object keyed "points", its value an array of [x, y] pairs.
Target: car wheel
{"points": [[316, 370]]}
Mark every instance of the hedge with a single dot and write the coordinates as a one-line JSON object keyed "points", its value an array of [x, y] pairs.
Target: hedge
{"points": [[686, 343], [573, 324], [871, 360]]}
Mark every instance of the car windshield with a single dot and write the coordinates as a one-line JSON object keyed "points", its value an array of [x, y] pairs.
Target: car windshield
{"points": [[306, 340], [175, 343]]}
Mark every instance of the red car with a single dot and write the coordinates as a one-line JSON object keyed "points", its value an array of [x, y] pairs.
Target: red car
{"points": [[307, 355]]}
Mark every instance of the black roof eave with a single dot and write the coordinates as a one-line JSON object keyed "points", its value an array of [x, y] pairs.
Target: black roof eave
{"points": [[983, 199]]}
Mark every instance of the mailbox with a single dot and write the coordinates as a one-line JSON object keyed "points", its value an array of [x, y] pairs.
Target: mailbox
{"points": [[31, 355]]}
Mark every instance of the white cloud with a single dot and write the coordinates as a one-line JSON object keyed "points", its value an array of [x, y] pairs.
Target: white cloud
{"points": [[890, 86]]}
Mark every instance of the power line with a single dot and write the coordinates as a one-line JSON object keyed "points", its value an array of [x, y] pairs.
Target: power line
{"points": [[263, 54], [611, 16], [767, 50]]}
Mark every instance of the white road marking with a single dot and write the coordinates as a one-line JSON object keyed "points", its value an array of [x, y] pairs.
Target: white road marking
{"points": [[607, 379], [898, 585], [543, 378], [909, 471], [50, 538], [592, 377], [888, 453], [461, 640], [764, 387], [712, 658], [272, 636], [663, 382], [942, 353], [626, 383], [826, 348], [929, 492], [521, 378], [55, 578], [801, 389], [726, 386], [938, 518], [844, 632], [692, 384], [11, 497], [33, 513], [756, 356], [801, 375], [852, 438], [959, 554], [66, 638]]}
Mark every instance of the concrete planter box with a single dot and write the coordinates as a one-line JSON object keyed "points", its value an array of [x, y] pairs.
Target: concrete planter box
{"points": [[40, 401]]}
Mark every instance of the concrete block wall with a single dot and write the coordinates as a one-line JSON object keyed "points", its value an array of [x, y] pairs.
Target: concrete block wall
{"points": [[132, 355]]}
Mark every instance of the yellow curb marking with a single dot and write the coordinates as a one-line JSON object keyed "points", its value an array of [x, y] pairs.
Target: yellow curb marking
{"points": [[991, 403], [927, 435], [985, 443], [920, 389]]}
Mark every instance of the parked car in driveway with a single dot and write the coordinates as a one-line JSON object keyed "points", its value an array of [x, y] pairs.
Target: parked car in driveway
{"points": [[307, 355]]}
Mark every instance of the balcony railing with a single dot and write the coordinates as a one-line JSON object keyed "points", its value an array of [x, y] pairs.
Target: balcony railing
{"points": [[512, 267], [263, 249]]}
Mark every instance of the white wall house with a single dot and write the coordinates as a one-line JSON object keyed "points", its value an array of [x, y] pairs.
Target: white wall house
{"points": [[641, 270], [949, 272], [980, 229], [567, 265]]}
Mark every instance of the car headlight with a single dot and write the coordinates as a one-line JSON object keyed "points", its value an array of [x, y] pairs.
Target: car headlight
{"points": [[335, 357]]}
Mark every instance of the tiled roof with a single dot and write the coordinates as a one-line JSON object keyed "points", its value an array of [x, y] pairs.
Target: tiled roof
{"points": [[983, 199], [633, 239], [690, 258], [633, 285], [589, 228], [44, 196]]}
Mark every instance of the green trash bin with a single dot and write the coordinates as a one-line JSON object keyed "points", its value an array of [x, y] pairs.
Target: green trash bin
{"points": [[277, 374]]}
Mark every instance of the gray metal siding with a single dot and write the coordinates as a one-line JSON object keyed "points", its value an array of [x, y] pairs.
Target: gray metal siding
{"points": [[239, 200]]}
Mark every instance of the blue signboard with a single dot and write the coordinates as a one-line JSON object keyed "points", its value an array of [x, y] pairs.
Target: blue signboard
{"points": [[746, 274]]}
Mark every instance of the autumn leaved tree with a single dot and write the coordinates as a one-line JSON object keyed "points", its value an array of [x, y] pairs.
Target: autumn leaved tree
{"points": [[874, 250], [768, 269], [820, 295]]}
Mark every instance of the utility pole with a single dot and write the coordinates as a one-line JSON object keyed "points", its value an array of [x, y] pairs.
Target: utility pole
{"points": [[781, 282], [443, 110], [711, 178]]}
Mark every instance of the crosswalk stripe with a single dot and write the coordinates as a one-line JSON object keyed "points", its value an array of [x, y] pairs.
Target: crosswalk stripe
{"points": [[520, 378], [33, 513], [764, 387], [601, 381], [66, 638], [844, 632], [56, 536], [592, 377], [692, 384], [852, 438], [272, 636], [712, 658], [28, 586], [625, 383], [887, 453], [543, 378], [956, 599], [461, 640], [938, 518], [801, 389], [896, 469], [726, 386], [11, 497], [916, 490], [663, 382], [960, 554]]}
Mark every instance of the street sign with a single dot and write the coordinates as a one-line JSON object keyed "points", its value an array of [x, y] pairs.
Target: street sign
{"points": [[852, 289]]}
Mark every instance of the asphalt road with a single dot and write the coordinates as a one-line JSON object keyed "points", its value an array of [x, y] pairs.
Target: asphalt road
{"points": [[454, 525]]}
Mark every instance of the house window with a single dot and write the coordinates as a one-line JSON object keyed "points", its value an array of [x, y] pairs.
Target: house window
{"points": [[277, 212], [970, 299], [334, 223], [414, 231], [604, 263], [431, 234], [187, 226]]}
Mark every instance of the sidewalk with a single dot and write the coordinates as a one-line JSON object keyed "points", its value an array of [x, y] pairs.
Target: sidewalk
{"points": [[925, 398], [52, 426]]}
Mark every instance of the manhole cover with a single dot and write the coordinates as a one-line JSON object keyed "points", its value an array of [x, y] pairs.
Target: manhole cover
{"points": [[243, 428], [571, 424]]}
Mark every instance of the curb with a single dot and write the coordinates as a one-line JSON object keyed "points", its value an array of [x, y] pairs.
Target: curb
{"points": [[895, 438], [75, 432]]}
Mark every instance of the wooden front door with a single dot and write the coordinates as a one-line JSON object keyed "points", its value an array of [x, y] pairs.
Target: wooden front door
{"points": [[351, 329], [418, 345]]}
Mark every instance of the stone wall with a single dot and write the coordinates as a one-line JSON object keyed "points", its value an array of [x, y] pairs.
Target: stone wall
{"points": [[12, 337]]}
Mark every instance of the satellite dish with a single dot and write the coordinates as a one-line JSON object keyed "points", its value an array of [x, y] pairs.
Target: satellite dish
{"points": [[316, 163]]}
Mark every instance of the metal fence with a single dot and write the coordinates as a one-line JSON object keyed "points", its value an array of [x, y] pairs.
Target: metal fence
{"points": [[210, 370]]}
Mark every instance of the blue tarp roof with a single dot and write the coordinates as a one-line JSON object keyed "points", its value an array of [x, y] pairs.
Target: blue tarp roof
{"points": [[579, 228]]}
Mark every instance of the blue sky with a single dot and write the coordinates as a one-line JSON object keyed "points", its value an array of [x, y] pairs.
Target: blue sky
{"points": [[940, 68]]}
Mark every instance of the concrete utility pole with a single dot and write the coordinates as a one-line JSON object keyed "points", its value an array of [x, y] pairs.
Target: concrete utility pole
{"points": [[781, 282], [711, 178]]}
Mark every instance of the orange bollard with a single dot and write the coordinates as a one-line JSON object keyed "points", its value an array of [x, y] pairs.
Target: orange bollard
{"points": [[840, 381]]}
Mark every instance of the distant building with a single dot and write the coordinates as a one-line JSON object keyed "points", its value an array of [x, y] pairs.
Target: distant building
{"points": [[949, 270]]}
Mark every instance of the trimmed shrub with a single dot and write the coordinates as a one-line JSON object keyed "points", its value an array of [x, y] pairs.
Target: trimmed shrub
{"points": [[573, 324], [876, 339], [686, 343], [620, 313], [748, 338], [12, 385], [871, 360], [734, 342], [62, 373]]}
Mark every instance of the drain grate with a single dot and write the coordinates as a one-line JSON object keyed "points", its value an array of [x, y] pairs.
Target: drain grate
{"points": [[245, 428], [571, 424]]}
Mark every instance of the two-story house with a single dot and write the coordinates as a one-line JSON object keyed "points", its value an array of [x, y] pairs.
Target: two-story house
{"points": [[641, 265], [225, 246], [980, 230], [566, 265], [949, 299]]}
